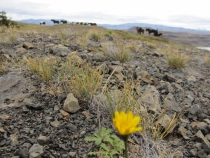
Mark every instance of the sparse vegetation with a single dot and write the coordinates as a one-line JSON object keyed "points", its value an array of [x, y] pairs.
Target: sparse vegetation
{"points": [[116, 51], [84, 80], [176, 59], [109, 144], [44, 67], [94, 35], [207, 59], [3, 69], [77, 73]]}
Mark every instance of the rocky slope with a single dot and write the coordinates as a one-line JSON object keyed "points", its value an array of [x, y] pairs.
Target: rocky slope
{"points": [[36, 123]]}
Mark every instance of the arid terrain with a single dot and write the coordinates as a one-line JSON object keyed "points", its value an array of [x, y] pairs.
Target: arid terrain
{"points": [[60, 84], [193, 39], [197, 40]]}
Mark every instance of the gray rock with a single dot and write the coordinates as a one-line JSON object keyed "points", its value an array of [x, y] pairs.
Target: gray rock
{"points": [[183, 132], [14, 139], [204, 141], [36, 151], [71, 104], [195, 109], [30, 105], [72, 153], [169, 77], [97, 56], [55, 123], [193, 152], [171, 103], [43, 140], [199, 126], [151, 98], [59, 50], [191, 78], [28, 45]]}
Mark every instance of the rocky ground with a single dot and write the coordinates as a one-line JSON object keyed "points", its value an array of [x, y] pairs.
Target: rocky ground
{"points": [[35, 123]]}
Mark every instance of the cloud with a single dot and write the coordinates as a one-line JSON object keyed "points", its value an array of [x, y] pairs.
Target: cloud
{"points": [[188, 13]]}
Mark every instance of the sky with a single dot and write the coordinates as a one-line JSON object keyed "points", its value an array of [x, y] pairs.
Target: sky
{"points": [[178, 13]]}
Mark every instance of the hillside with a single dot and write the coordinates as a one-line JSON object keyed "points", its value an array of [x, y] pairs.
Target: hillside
{"points": [[193, 38], [155, 26], [63, 83]]}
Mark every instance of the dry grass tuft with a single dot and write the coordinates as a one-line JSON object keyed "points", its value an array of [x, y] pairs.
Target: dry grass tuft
{"points": [[3, 68], [176, 59], [207, 59], [94, 35], [9, 37], [80, 78], [85, 82], [44, 67], [116, 51]]}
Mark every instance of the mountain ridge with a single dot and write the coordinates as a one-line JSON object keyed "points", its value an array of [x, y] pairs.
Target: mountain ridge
{"points": [[127, 26]]}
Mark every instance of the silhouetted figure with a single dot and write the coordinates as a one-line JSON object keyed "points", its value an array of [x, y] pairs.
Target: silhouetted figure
{"points": [[92, 24], [64, 21], [55, 21], [140, 30], [42, 23], [152, 31], [158, 34]]}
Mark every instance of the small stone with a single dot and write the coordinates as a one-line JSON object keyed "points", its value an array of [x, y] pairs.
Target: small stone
{"points": [[65, 114], [55, 123], [28, 45], [191, 78], [56, 108], [194, 109], [208, 137], [82, 133], [43, 140], [205, 142], [14, 139], [198, 125], [183, 132], [36, 151], [4, 117], [71, 104], [2, 130], [86, 114], [169, 78], [72, 154], [193, 151]]}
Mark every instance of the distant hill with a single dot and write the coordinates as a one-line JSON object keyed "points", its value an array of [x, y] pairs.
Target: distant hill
{"points": [[37, 21], [128, 26], [194, 39]]}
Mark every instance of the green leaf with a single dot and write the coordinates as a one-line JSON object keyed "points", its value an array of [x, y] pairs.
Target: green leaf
{"points": [[105, 147], [114, 152], [97, 134], [98, 141], [109, 140], [90, 139], [92, 153]]}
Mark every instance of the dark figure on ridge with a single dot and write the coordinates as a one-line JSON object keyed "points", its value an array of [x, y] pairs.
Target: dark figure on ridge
{"points": [[140, 30], [42, 23], [152, 31], [158, 34], [63, 21], [55, 21]]}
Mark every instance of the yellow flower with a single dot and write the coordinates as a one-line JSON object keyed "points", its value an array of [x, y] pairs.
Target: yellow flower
{"points": [[126, 123]]}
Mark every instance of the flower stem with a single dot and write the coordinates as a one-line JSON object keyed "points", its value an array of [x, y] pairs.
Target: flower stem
{"points": [[125, 139]]}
